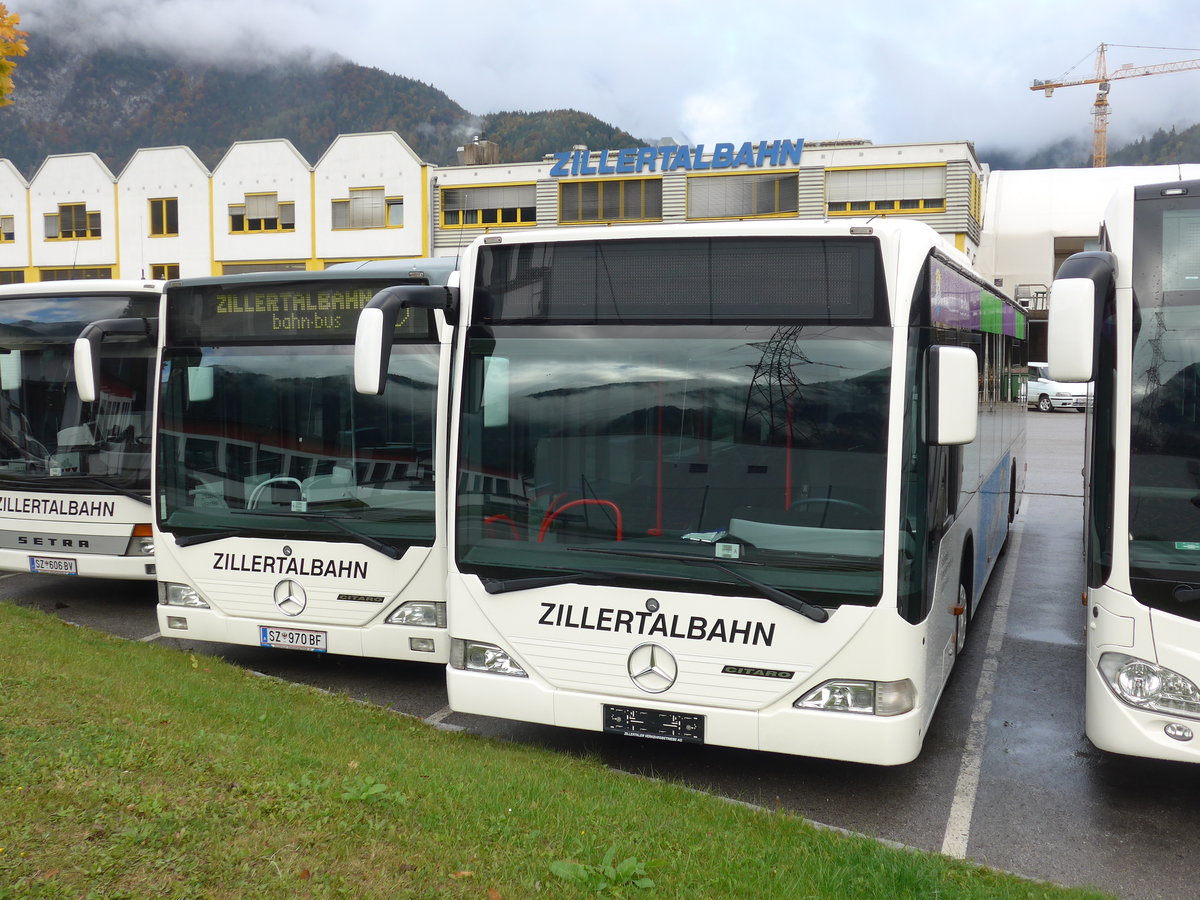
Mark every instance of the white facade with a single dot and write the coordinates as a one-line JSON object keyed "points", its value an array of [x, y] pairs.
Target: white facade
{"points": [[1036, 218], [165, 214], [14, 211], [64, 188], [253, 172], [371, 197], [358, 170]]}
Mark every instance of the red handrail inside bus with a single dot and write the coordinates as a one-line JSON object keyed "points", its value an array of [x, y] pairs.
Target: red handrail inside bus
{"points": [[501, 517], [551, 514]]}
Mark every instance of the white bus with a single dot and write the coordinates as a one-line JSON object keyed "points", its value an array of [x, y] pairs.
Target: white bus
{"points": [[738, 484], [75, 476], [291, 512], [1129, 316]]}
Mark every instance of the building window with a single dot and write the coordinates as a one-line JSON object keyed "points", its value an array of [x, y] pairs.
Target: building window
{"points": [[12, 276], [164, 271], [368, 208], [886, 189], [71, 274], [262, 212], [513, 204], [73, 221], [738, 196], [164, 217], [8, 229], [614, 200]]}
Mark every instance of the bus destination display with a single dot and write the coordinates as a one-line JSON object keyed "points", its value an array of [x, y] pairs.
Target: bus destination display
{"points": [[327, 311]]}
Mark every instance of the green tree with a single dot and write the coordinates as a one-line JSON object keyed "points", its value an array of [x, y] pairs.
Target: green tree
{"points": [[12, 45]]}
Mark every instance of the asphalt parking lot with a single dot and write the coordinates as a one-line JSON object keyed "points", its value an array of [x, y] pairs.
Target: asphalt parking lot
{"points": [[1006, 777]]}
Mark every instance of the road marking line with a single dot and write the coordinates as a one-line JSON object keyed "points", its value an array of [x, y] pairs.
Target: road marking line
{"points": [[958, 825], [150, 637], [438, 720]]}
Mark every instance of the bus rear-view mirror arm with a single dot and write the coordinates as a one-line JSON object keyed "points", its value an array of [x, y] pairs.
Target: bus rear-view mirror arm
{"points": [[87, 350], [377, 322]]}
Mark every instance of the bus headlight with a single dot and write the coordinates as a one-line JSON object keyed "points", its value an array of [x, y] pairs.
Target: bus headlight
{"points": [[870, 698], [477, 656], [142, 542], [426, 613], [179, 595], [1148, 685]]}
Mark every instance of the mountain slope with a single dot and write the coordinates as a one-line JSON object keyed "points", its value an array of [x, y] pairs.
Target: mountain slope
{"points": [[112, 102]]}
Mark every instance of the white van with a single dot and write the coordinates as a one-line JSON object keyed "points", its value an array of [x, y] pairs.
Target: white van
{"points": [[1048, 395]]}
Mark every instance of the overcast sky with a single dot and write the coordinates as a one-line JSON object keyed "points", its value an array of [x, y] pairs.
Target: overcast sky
{"points": [[704, 72]]}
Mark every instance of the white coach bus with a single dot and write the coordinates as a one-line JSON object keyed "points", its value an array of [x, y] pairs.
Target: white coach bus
{"points": [[1129, 317], [75, 476], [739, 484], [292, 512]]}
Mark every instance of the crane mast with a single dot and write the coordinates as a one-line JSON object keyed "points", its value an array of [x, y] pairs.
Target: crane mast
{"points": [[1100, 107]]}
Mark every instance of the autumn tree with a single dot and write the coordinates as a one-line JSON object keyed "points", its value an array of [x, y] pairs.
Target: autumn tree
{"points": [[12, 45]]}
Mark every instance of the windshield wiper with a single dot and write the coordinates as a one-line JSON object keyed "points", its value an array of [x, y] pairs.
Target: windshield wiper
{"points": [[365, 539], [203, 537], [774, 594], [504, 585], [112, 486], [45, 483]]}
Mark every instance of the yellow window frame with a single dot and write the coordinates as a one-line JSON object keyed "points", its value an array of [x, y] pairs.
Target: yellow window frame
{"points": [[91, 229], [480, 215], [605, 185], [778, 214], [164, 271], [279, 227], [162, 205]]}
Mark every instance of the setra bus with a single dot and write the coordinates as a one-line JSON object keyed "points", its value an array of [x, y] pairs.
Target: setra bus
{"points": [[1128, 316], [737, 484], [292, 512], [75, 475]]}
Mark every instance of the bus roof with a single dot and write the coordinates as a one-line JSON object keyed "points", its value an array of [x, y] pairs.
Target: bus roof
{"points": [[436, 270], [80, 286]]}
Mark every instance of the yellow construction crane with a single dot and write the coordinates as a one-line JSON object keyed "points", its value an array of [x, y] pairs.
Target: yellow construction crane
{"points": [[1102, 78]]}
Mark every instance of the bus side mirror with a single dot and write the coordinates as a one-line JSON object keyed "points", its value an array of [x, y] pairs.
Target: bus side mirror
{"points": [[953, 408], [1078, 295], [87, 350], [1070, 343], [377, 322]]}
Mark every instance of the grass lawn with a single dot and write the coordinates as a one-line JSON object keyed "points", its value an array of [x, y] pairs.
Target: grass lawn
{"points": [[130, 770]]}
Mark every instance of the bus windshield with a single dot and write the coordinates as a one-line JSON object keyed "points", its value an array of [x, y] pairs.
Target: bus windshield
{"points": [[760, 445], [47, 436], [262, 432]]}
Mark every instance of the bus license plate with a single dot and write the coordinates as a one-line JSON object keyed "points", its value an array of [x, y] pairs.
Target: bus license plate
{"points": [[293, 639], [683, 728], [50, 565]]}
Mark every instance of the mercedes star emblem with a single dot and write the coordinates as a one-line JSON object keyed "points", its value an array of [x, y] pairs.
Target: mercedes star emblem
{"points": [[290, 598], [652, 668]]}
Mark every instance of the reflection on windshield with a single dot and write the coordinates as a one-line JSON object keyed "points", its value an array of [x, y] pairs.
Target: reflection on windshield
{"points": [[1164, 503], [45, 431], [280, 429], [761, 444]]}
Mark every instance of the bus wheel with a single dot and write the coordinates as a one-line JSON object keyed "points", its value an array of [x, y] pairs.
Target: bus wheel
{"points": [[964, 618]]}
